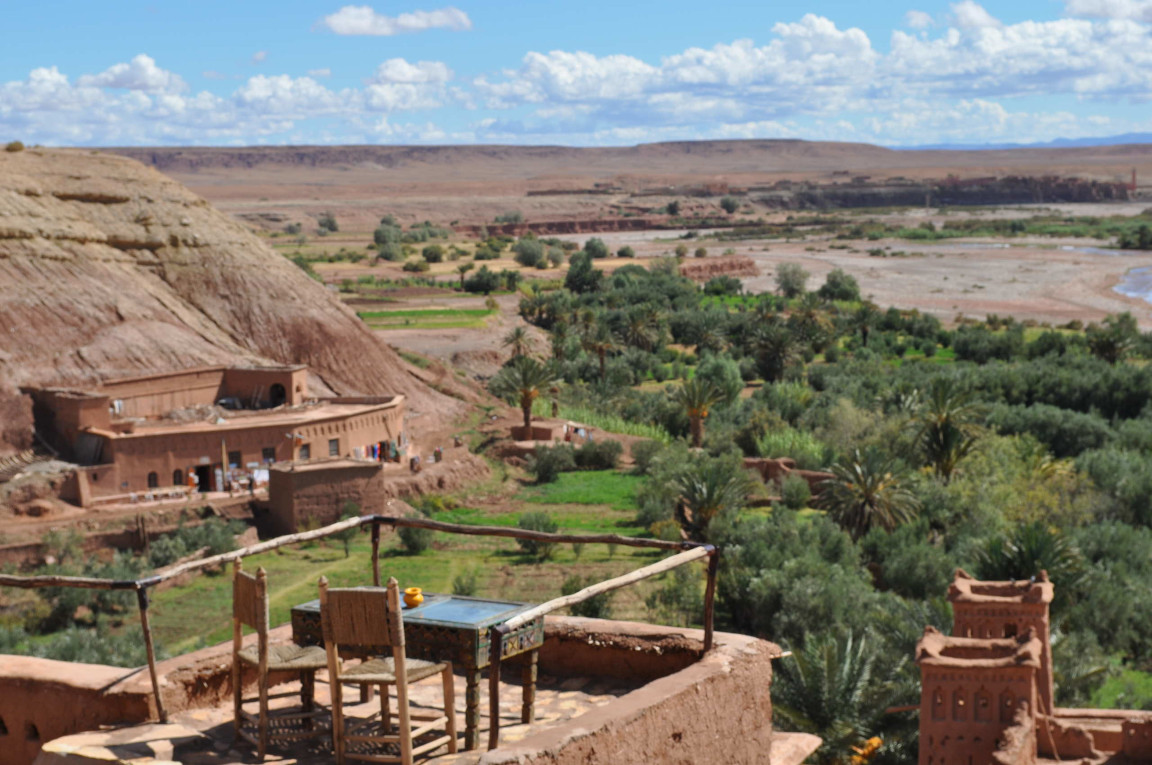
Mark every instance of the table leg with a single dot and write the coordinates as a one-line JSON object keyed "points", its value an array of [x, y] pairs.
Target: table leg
{"points": [[367, 693], [528, 678], [308, 696], [472, 709]]}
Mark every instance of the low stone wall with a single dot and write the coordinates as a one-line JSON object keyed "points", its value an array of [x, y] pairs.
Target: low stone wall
{"points": [[716, 709]]}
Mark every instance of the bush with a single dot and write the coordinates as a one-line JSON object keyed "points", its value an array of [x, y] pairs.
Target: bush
{"points": [[795, 492], [512, 216], [391, 252], [801, 446], [701, 252], [555, 256], [433, 253], [596, 248], [791, 279], [681, 250], [599, 455], [680, 601], [327, 222], [625, 252], [838, 285], [14, 146], [596, 607], [529, 252], [485, 280], [415, 540], [218, 535], [465, 583], [643, 454], [546, 463], [419, 266], [538, 520], [729, 204]]}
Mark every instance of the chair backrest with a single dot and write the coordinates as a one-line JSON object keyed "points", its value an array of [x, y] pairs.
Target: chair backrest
{"points": [[363, 616], [250, 598]]}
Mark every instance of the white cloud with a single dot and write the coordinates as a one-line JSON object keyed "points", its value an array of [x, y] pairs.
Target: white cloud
{"points": [[325, 72], [363, 20], [918, 19], [141, 73], [968, 14], [1136, 10], [259, 56]]}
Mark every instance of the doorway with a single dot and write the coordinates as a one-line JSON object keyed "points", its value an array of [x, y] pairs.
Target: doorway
{"points": [[277, 395], [203, 478]]}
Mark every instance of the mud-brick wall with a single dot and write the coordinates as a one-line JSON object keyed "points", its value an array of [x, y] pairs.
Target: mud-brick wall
{"points": [[316, 495], [41, 699]]}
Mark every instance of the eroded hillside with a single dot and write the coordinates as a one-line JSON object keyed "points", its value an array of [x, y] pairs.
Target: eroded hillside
{"points": [[108, 268]]}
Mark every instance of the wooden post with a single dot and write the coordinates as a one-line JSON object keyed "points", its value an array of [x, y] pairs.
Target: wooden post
{"points": [[528, 678], [710, 597], [142, 600], [376, 553], [494, 687]]}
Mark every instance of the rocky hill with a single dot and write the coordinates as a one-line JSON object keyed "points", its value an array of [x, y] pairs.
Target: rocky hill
{"points": [[108, 269]]}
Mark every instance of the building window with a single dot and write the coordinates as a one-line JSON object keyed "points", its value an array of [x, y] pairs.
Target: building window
{"points": [[153, 480], [333, 447], [306, 452], [959, 710], [234, 459], [983, 711], [177, 477], [268, 455]]}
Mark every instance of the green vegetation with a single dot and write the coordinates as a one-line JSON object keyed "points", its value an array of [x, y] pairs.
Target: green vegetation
{"points": [[428, 318]]}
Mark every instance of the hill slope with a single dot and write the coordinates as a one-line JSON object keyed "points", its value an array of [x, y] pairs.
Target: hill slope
{"points": [[108, 268]]}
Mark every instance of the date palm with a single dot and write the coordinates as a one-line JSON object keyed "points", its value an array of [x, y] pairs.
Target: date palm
{"points": [[948, 426], [697, 397], [708, 488], [866, 492], [519, 341], [523, 381], [600, 340], [462, 269]]}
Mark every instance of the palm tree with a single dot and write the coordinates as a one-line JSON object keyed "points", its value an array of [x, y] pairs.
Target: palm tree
{"points": [[827, 689], [523, 381], [697, 397], [519, 341], [462, 269], [708, 488], [642, 327], [948, 428], [774, 347], [867, 492], [600, 339], [864, 318]]}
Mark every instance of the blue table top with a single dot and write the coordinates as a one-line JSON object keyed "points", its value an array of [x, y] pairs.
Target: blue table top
{"points": [[455, 611]]}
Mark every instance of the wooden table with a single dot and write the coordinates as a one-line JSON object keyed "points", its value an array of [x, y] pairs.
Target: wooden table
{"points": [[457, 629]]}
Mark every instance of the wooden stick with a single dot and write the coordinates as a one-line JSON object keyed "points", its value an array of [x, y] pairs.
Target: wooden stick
{"points": [[710, 598], [83, 582], [375, 552], [142, 600], [499, 531], [601, 587], [494, 688]]}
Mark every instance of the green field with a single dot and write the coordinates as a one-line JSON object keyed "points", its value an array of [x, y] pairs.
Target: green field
{"points": [[198, 613], [431, 318]]}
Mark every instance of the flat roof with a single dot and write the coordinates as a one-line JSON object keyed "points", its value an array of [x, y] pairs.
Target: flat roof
{"points": [[967, 589], [306, 414], [939, 650], [311, 466]]}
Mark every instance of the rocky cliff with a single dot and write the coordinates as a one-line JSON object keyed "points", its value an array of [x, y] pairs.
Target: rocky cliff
{"points": [[109, 269]]}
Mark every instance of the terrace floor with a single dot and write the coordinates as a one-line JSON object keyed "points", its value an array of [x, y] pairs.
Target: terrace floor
{"points": [[205, 737]]}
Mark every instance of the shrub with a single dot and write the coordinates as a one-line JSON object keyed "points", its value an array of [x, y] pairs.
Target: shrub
{"points": [[391, 252], [327, 223], [839, 285], [596, 248], [791, 279], [701, 252], [14, 146], [433, 253], [485, 280], [599, 455], [643, 454], [538, 520], [729, 204], [625, 252], [529, 252], [555, 256], [486, 253], [680, 600], [723, 285], [795, 492], [512, 216], [681, 251], [415, 540], [808, 452], [465, 583], [418, 266], [546, 463], [596, 607]]}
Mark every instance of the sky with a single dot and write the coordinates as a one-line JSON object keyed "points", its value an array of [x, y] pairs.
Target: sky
{"points": [[588, 73]]}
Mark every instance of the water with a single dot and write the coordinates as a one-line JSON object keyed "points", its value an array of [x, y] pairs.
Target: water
{"points": [[1137, 283]]}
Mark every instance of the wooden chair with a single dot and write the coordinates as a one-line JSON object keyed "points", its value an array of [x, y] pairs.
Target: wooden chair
{"points": [[373, 618], [250, 607]]}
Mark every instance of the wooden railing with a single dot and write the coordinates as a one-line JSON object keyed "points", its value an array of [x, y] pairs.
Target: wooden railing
{"points": [[687, 552]]}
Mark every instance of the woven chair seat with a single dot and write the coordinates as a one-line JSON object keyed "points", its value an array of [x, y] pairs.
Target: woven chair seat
{"points": [[287, 657], [383, 670]]}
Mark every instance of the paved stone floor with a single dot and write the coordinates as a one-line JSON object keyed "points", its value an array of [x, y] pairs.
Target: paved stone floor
{"points": [[204, 736]]}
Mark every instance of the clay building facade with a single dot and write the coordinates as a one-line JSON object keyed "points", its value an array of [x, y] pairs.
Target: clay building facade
{"points": [[146, 434], [987, 692]]}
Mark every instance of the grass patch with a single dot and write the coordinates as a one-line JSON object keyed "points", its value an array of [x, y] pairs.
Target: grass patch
{"points": [[415, 359], [590, 487], [432, 318], [610, 423]]}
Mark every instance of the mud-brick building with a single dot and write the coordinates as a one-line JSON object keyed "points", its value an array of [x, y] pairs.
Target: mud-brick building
{"points": [[203, 427]]}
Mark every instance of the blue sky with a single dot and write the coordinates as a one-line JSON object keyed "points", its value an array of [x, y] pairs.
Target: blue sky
{"points": [[895, 72]]}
